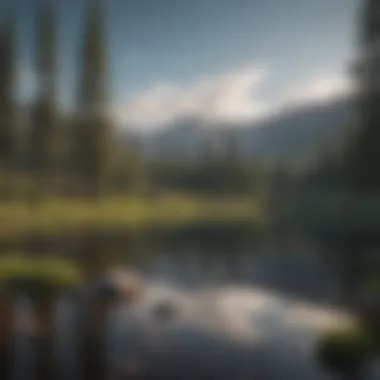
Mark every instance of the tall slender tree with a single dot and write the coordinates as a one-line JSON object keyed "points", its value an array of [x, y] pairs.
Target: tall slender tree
{"points": [[92, 143], [93, 133], [8, 120], [44, 116], [364, 151], [365, 155]]}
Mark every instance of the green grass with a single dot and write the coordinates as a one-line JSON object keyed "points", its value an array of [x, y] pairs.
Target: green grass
{"points": [[337, 213], [37, 277], [60, 215], [56, 269]]}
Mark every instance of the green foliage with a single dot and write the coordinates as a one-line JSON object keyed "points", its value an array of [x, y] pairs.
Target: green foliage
{"points": [[60, 215], [42, 140], [8, 108], [372, 285], [329, 213], [345, 351], [38, 278], [369, 312], [93, 137]]}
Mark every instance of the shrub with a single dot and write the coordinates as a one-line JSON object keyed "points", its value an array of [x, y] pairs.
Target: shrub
{"points": [[38, 278], [345, 351], [369, 308]]}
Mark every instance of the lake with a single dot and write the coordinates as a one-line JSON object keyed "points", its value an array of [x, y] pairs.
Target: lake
{"points": [[244, 308]]}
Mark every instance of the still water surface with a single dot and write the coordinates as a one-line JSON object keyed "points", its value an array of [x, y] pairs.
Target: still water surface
{"points": [[252, 315]]}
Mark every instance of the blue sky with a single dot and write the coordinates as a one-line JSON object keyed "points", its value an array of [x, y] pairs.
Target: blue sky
{"points": [[171, 51]]}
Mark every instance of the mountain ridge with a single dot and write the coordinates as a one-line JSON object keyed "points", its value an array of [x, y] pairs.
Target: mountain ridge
{"points": [[295, 131]]}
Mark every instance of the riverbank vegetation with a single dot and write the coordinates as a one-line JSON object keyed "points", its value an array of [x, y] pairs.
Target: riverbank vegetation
{"points": [[129, 212]]}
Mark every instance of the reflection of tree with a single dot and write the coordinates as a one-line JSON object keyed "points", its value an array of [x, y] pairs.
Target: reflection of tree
{"points": [[6, 335]]}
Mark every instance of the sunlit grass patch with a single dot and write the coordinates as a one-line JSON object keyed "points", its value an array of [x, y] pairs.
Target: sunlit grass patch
{"points": [[37, 277], [59, 215]]}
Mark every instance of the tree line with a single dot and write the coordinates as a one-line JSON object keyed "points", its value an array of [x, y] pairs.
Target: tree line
{"points": [[50, 147], [49, 153], [77, 154]]}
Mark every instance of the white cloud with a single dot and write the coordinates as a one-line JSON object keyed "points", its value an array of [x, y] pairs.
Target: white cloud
{"points": [[321, 87], [156, 105], [228, 98], [231, 97]]}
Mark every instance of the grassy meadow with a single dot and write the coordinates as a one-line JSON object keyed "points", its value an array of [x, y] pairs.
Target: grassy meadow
{"points": [[61, 215]]}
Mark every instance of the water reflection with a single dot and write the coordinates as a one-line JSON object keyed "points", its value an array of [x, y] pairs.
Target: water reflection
{"points": [[236, 313], [23, 315], [213, 331]]}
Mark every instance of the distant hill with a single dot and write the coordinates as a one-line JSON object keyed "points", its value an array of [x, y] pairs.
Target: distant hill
{"points": [[294, 132], [301, 131]]}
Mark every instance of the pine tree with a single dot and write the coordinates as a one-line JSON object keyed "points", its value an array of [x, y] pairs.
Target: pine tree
{"points": [[365, 153], [8, 127], [44, 115], [93, 133]]}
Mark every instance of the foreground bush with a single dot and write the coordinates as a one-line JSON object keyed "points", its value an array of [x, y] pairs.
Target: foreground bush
{"points": [[345, 352], [38, 278], [368, 310]]}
